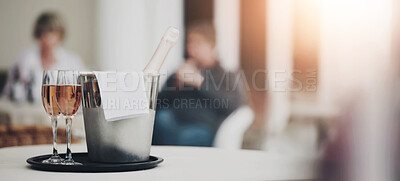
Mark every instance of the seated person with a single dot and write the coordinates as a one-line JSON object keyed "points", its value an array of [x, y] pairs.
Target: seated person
{"points": [[198, 97], [25, 78]]}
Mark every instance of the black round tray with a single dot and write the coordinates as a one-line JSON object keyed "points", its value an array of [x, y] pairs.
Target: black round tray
{"points": [[90, 166]]}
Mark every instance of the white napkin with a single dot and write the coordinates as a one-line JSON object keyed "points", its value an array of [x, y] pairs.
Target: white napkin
{"points": [[123, 94]]}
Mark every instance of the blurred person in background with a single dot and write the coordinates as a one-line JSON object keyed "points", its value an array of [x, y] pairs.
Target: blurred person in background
{"points": [[199, 96], [24, 79]]}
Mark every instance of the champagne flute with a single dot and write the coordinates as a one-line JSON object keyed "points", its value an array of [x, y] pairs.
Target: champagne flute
{"points": [[68, 101], [49, 83]]}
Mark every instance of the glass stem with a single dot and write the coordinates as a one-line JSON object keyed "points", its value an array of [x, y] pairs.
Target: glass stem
{"points": [[68, 155], [54, 128]]}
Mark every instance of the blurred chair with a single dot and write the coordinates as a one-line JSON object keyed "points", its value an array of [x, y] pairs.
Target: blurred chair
{"points": [[28, 124], [11, 135], [230, 134]]}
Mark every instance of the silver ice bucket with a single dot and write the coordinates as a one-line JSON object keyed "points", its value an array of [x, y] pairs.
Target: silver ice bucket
{"points": [[122, 141]]}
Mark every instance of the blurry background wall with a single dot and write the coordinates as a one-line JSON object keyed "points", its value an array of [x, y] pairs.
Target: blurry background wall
{"points": [[18, 16], [128, 33]]}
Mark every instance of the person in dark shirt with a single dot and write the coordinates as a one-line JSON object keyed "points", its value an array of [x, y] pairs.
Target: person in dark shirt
{"points": [[199, 96]]}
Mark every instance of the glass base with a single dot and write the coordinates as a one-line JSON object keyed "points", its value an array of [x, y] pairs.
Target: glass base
{"points": [[70, 162], [55, 159]]}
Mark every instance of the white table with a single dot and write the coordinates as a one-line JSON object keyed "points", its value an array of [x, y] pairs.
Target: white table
{"points": [[180, 163]]}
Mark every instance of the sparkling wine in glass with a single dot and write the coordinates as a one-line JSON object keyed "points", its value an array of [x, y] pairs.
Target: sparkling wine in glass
{"points": [[49, 86], [68, 94]]}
